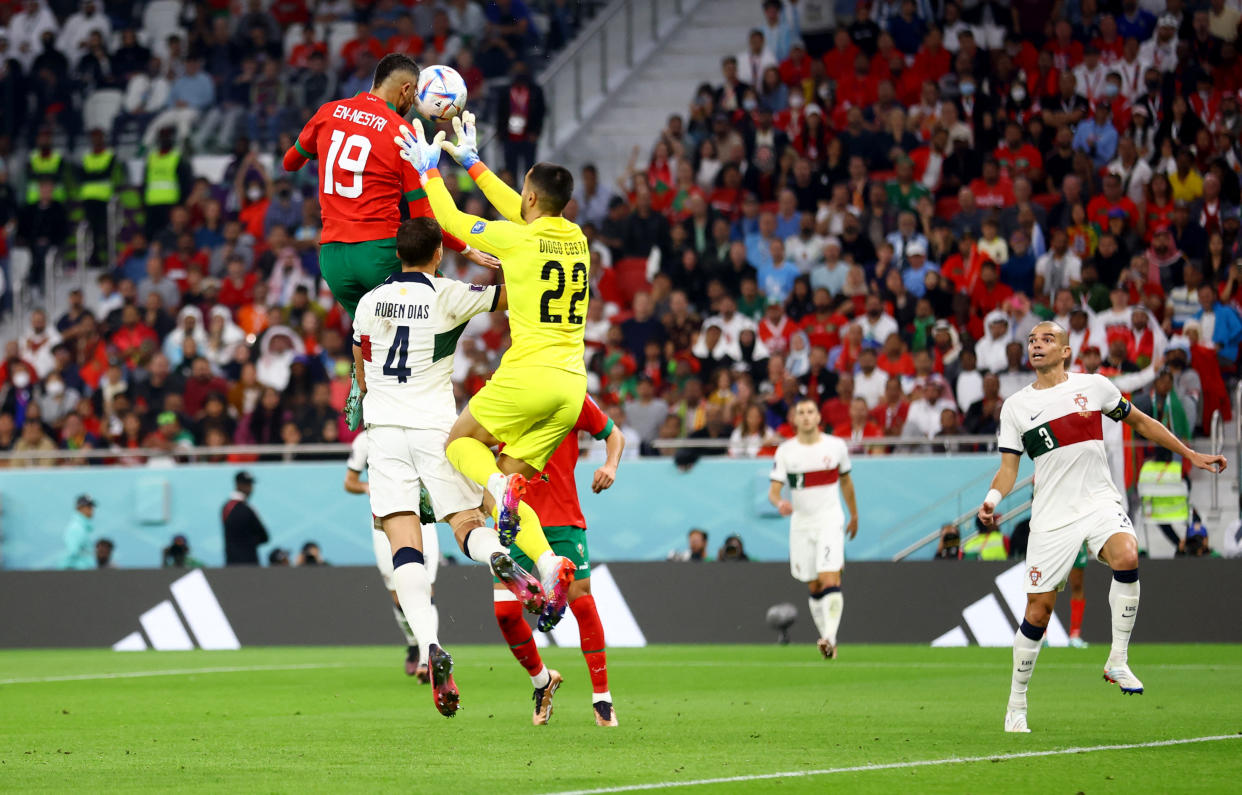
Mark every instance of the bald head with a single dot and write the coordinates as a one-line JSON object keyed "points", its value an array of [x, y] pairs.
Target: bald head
{"points": [[1062, 336], [1047, 347]]}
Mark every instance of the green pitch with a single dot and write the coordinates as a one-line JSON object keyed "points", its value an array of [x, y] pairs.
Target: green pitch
{"points": [[331, 719]]}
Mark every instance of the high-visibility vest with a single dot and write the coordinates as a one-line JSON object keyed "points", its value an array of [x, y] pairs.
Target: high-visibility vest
{"points": [[986, 546], [97, 176], [162, 184], [39, 167], [1164, 509]]}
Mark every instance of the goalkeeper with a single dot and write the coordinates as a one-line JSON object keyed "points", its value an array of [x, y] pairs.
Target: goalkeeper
{"points": [[535, 396]]}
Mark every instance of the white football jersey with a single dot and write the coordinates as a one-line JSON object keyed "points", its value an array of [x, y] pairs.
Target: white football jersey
{"points": [[813, 472], [408, 329], [1062, 430]]}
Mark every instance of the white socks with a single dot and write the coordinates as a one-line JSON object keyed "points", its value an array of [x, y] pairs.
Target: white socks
{"points": [[410, 640], [604, 696], [826, 607], [546, 565], [414, 591], [834, 603], [482, 543], [541, 679], [1123, 599], [496, 483], [1025, 650]]}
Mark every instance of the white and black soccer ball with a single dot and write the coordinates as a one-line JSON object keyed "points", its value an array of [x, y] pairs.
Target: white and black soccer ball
{"points": [[441, 93]]}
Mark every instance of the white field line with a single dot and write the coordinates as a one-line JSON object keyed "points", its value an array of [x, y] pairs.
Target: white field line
{"points": [[621, 664], [232, 669], [951, 760]]}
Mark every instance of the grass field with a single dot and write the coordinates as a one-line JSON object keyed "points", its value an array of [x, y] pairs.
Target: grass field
{"points": [[332, 719]]}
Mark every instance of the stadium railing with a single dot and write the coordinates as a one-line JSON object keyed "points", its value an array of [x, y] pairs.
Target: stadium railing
{"points": [[579, 78], [967, 520]]}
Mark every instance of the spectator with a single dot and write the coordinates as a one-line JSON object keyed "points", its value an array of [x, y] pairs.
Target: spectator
{"points": [[696, 551], [521, 115], [104, 548], [243, 531], [732, 550], [950, 543], [79, 545]]}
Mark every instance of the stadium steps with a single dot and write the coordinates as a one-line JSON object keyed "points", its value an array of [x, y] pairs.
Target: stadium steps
{"points": [[635, 110]]}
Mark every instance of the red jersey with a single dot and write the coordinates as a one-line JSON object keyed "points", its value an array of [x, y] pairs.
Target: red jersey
{"points": [[556, 499], [362, 178]]}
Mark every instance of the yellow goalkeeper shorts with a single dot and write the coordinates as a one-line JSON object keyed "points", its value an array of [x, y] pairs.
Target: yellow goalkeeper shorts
{"points": [[530, 410]]}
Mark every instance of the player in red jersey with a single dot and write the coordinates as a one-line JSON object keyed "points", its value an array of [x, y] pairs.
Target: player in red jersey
{"points": [[554, 496], [362, 182]]}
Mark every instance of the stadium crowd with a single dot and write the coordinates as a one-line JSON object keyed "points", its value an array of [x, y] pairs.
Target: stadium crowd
{"points": [[872, 206]]}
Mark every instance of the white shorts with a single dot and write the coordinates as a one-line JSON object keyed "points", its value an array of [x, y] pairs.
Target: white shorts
{"points": [[1050, 554], [816, 547], [383, 553], [399, 459]]}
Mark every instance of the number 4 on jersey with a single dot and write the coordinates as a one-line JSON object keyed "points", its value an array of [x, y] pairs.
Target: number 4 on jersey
{"points": [[397, 354]]}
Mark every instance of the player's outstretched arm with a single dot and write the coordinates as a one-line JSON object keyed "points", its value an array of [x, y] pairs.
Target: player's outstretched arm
{"points": [[1147, 427], [1002, 484], [466, 152], [606, 475], [847, 494]]}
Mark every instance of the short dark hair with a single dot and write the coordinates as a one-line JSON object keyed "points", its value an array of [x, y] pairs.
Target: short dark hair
{"points": [[417, 240], [554, 184], [394, 62]]}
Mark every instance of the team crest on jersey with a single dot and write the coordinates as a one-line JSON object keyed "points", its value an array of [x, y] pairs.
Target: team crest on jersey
{"points": [[1035, 574], [478, 227], [1080, 400]]}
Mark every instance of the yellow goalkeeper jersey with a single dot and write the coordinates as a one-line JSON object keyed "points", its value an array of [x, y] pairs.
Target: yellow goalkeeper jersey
{"points": [[546, 266]]}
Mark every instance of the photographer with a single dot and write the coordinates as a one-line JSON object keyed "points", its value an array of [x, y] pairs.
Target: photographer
{"points": [[310, 555], [1196, 543], [732, 550], [177, 555], [950, 546]]}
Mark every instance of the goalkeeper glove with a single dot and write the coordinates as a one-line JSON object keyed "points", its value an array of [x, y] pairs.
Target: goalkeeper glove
{"points": [[422, 154], [466, 150]]}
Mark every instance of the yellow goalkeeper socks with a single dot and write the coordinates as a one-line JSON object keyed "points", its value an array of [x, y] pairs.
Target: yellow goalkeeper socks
{"points": [[472, 458], [530, 538]]}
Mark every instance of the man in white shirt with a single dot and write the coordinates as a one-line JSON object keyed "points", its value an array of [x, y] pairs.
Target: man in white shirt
{"points": [[990, 352], [1161, 49], [1059, 268], [816, 467], [754, 59], [730, 321], [405, 334], [1133, 170], [869, 380], [875, 323], [923, 418]]}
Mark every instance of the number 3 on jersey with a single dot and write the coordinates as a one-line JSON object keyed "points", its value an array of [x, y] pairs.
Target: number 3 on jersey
{"points": [[350, 155], [554, 273]]}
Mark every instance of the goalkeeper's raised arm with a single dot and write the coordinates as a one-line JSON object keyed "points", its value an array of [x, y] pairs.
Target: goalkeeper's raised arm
{"points": [[466, 152]]}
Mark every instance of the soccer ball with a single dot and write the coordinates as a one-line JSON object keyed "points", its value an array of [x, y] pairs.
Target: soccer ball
{"points": [[441, 93]]}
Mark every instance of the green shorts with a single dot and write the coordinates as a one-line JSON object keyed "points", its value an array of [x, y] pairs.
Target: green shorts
{"points": [[570, 542], [354, 269], [1080, 562]]}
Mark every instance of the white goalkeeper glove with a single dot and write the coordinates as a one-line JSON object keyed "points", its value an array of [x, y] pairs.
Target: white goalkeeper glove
{"points": [[466, 150], [422, 154]]}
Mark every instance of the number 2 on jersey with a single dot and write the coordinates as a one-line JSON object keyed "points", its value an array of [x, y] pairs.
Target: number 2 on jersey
{"points": [[577, 276], [397, 353], [350, 154]]}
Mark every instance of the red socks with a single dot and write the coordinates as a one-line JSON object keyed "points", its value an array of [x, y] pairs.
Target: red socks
{"points": [[591, 633], [518, 635], [1076, 608]]}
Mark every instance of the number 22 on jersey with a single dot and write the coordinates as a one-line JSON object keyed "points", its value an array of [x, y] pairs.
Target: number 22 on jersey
{"points": [[347, 155], [554, 274]]}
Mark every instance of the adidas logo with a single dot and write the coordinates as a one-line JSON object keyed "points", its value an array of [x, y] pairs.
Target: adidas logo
{"points": [[620, 627], [163, 629], [987, 623]]}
